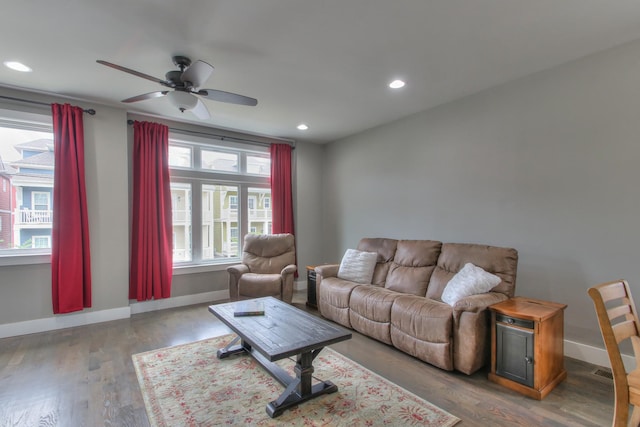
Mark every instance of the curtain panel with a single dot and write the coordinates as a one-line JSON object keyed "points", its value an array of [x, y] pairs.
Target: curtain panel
{"points": [[151, 264], [70, 253], [281, 189]]}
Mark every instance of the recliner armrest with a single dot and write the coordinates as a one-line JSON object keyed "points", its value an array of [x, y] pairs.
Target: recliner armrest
{"points": [[289, 269], [238, 269], [479, 302]]}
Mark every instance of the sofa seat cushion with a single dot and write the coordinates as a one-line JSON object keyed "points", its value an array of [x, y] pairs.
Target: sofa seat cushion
{"points": [[333, 299], [253, 285], [370, 312], [423, 328]]}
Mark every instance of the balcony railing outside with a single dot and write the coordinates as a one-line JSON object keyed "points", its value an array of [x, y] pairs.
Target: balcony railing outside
{"points": [[33, 217]]}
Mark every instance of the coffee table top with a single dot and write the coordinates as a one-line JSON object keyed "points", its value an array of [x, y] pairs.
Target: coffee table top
{"points": [[283, 330]]}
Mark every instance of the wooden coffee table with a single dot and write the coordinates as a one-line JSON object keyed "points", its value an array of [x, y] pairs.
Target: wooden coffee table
{"points": [[282, 331]]}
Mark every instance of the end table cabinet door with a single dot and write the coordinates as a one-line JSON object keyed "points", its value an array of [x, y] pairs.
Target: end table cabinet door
{"points": [[514, 356]]}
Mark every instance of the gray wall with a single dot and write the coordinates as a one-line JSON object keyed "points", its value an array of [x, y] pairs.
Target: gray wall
{"points": [[545, 164]]}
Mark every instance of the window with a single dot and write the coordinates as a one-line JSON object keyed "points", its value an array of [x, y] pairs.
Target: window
{"points": [[41, 242], [40, 200], [26, 172], [219, 191]]}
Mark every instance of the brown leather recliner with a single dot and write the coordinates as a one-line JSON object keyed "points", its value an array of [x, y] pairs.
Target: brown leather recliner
{"points": [[267, 269]]}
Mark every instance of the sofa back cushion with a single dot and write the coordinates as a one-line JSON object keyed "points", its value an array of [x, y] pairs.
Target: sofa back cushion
{"points": [[412, 266], [503, 262], [386, 250]]}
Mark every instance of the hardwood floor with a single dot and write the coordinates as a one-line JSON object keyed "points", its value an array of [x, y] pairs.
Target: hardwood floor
{"points": [[84, 377]]}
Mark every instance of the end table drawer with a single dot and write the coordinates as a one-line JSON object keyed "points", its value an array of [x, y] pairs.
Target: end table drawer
{"points": [[514, 321]]}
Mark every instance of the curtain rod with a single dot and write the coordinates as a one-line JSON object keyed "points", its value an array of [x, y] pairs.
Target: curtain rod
{"points": [[90, 111], [221, 137]]}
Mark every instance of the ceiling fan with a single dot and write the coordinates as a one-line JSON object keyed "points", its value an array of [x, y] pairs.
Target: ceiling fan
{"points": [[186, 84]]}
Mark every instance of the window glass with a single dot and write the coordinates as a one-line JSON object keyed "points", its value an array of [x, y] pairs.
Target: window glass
{"points": [[259, 165], [181, 211], [259, 212], [26, 172], [219, 161], [219, 222], [180, 156]]}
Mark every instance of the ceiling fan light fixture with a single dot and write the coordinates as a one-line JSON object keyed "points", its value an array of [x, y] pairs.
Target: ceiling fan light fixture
{"points": [[183, 100]]}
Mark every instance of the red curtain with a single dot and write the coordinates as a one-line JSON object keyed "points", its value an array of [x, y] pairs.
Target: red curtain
{"points": [[70, 255], [281, 189], [151, 266]]}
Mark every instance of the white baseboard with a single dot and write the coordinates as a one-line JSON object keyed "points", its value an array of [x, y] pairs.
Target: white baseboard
{"points": [[161, 304], [594, 355], [63, 321], [85, 318], [576, 350]]}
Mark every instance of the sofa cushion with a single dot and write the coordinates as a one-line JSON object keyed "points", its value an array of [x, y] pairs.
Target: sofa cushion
{"points": [[357, 266], [412, 266], [333, 299], [423, 328], [503, 262], [253, 285], [370, 311], [386, 250], [470, 280]]}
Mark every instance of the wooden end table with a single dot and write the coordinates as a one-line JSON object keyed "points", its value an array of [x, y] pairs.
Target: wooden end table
{"points": [[527, 345]]}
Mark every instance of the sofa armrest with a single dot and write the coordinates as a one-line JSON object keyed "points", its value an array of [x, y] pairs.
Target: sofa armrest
{"points": [[327, 270], [479, 302]]}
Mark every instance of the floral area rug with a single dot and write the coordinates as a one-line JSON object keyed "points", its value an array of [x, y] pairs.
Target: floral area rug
{"points": [[187, 385]]}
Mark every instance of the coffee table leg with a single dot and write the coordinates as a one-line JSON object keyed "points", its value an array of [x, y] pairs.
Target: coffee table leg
{"points": [[300, 389], [231, 348]]}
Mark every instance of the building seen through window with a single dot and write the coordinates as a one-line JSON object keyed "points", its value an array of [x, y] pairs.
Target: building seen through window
{"points": [[26, 190]]}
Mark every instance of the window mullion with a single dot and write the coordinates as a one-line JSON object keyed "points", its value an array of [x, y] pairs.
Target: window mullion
{"points": [[196, 221]]}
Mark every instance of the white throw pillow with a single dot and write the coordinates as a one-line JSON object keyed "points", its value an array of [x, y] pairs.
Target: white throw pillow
{"points": [[357, 266], [470, 280]]}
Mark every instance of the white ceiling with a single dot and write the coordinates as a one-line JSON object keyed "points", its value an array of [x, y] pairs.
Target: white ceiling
{"points": [[323, 62]]}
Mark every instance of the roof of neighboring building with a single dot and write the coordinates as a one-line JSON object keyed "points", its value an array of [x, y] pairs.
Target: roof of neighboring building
{"points": [[6, 169], [36, 145], [43, 160]]}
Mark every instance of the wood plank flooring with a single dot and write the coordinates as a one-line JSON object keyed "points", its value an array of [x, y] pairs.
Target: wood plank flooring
{"points": [[84, 377]]}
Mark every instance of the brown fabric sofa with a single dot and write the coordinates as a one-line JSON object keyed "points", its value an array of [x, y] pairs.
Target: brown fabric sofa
{"points": [[402, 306]]}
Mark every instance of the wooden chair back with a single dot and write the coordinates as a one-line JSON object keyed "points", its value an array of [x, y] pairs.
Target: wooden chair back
{"points": [[618, 322]]}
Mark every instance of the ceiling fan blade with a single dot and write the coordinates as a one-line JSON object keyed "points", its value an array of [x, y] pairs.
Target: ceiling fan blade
{"points": [[197, 73], [135, 73], [146, 96], [201, 111], [231, 98]]}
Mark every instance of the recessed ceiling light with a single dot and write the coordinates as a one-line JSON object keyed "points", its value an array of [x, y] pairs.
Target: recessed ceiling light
{"points": [[302, 126], [17, 66], [396, 84]]}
